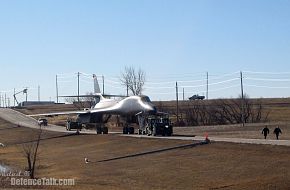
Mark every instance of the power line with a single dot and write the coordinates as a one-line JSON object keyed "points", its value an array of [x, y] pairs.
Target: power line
{"points": [[268, 79], [272, 87], [273, 73], [192, 92]]}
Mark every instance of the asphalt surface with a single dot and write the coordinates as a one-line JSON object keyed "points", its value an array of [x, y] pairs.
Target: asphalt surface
{"points": [[18, 118], [23, 120], [219, 139]]}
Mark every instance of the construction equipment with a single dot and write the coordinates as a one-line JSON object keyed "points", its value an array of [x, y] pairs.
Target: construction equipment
{"points": [[156, 125], [24, 91]]}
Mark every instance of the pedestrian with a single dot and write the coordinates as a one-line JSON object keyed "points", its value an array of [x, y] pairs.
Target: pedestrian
{"points": [[277, 131], [265, 131]]}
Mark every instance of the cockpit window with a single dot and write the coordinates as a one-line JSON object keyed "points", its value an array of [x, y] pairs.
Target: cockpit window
{"points": [[146, 99]]}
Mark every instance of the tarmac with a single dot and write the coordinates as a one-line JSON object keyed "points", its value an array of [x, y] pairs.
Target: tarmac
{"points": [[23, 120]]}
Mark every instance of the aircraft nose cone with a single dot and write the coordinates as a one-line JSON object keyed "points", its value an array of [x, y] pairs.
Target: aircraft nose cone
{"points": [[153, 110]]}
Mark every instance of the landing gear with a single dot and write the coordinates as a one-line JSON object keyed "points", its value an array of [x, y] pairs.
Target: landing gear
{"points": [[105, 130], [168, 130], [99, 130], [131, 130], [102, 130], [128, 130]]}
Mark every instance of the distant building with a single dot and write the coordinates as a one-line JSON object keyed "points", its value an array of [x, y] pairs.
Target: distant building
{"points": [[35, 103]]}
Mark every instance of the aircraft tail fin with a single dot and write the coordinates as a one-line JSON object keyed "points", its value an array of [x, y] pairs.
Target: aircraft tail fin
{"points": [[96, 85], [101, 97]]}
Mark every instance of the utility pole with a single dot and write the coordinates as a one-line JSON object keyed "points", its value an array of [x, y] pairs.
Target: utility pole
{"points": [[5, 101], [183, 93], [0, 99], [78, 86], [56, 86], [127, 90], [38, 93], [207, 85], [177, 108], [242, 92], [103, 84], [14, 98]]}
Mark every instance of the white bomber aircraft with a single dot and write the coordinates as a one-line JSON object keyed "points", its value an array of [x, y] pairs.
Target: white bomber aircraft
{"points": [[129, 106]]}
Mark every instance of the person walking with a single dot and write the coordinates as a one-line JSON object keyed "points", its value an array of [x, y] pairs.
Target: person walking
{"points": [[265, 131], [277, 131]]}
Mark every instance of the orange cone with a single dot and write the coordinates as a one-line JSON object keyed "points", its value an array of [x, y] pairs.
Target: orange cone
{"points": [[206, 137]]}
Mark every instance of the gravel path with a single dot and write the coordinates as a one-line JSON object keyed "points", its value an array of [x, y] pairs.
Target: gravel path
{"points": [[21, 119]]}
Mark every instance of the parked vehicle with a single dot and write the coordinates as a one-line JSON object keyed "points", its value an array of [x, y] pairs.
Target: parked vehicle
{"points": [[42, 121], [196, 97]]}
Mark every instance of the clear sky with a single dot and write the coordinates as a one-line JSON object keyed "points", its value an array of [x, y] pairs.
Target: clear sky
{"points": [[171, 40]]}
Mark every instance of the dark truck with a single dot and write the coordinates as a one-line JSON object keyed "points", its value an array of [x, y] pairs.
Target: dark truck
{"points": [[157, 125], [196, 97]]}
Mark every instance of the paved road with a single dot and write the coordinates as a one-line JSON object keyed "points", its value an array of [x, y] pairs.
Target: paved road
{"points": [[219, 139], [21, 119], [26, 121]]}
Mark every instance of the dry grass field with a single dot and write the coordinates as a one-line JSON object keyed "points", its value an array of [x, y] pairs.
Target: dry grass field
{"points": [[278, 108], [249, 131], [213, 166], [37, 109]]}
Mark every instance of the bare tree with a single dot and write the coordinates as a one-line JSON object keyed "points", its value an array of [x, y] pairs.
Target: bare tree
{"points": [[133, 80], [30, 151], [225, 111], [85, 102], [90, 100]]}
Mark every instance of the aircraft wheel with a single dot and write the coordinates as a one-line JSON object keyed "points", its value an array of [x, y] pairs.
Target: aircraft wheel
{"points": [[105, 130], [99, 130], [167, 132], [170, 131], [125, 130], [131, 130]]}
